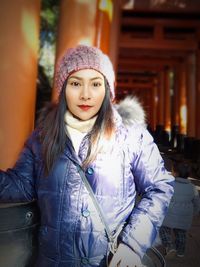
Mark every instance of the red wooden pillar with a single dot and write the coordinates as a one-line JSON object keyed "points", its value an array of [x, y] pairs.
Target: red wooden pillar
{"points": [[19, 35], [177, 85], [114, 33], [198, 96], [84, 22], [104, 17], [182, 99], [167, 101], [154, 104], [160, 105], [191, 94], [76, 26]]}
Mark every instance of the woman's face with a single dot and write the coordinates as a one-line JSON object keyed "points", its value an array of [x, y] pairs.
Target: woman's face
{"points": [[85, 92]]}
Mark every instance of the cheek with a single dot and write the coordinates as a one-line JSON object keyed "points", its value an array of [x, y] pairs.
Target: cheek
{"points": [[66, 95], [69, 102], [101, 98], [69, 96]]}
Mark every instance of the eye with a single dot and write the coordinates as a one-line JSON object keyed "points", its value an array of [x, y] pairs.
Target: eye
{"points": [[74, 83], [97, 84]]}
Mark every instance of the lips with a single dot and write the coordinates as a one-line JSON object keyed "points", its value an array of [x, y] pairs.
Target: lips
{"points": [[84, 107]]}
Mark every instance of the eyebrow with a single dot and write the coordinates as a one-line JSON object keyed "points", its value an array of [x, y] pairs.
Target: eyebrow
{"points": [[78, 78]]}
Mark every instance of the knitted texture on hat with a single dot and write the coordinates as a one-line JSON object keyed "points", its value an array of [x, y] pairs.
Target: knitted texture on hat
{"points": [[84, 57]]}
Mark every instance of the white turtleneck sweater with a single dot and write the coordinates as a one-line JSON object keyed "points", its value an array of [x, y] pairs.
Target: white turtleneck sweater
{"points": [[77, 129]]}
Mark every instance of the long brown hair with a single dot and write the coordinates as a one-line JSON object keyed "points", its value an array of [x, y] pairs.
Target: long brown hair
{"points": [[52, 129]]}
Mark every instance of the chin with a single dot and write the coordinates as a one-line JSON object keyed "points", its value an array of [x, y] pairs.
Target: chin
{"points": [[84, 118]]}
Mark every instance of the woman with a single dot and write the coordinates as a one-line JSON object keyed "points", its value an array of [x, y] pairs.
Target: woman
{"points": [[83, 130]]}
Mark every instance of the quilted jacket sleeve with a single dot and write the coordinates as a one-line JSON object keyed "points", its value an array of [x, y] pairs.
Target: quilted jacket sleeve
{"points": [[155, 187], [17, 184]]}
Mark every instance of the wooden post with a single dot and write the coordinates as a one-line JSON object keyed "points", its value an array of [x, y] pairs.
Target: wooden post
{"points": [[183, 99], [19, 33], [160, 106], [154, 104], [85, 22], [76, 26], [104, 17], [167, 101], [191, 94], [175, 103], [115, 32], [198, 95]]}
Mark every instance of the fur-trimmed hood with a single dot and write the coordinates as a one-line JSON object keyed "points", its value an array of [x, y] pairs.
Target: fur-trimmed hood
{"points": [[131, 111]]}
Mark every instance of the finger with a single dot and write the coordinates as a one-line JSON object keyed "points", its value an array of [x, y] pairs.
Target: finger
{"points": [[115, 262]]}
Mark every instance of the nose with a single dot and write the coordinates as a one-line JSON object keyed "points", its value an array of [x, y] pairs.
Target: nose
{"points": [[85, 93]]}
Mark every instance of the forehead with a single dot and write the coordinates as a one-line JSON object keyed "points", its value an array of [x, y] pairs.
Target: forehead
{"points": [[87, 73]]}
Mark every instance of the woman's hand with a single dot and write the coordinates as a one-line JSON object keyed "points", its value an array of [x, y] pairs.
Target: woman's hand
{"points": [[125, 257]]}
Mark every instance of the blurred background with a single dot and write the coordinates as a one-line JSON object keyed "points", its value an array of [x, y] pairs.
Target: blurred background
{"points": [[153, 44]]}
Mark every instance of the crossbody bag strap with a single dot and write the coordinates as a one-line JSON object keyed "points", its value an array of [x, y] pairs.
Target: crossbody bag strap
{"points": [[112, 238]]}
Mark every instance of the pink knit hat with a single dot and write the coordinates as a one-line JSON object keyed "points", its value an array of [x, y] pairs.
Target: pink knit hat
{"points": [[84, 57]]}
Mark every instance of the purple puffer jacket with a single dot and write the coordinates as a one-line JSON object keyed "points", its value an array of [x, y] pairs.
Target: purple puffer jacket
{"points": [[71, 233]]}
